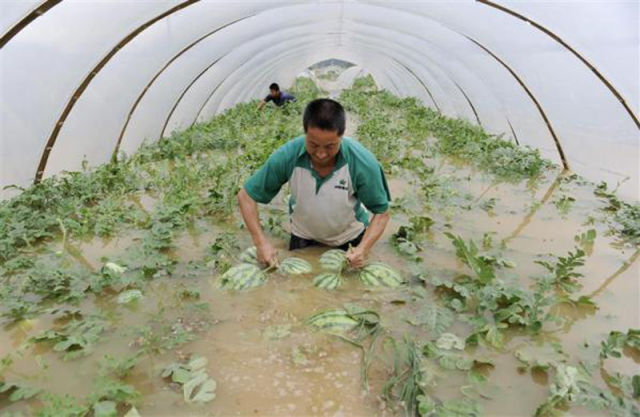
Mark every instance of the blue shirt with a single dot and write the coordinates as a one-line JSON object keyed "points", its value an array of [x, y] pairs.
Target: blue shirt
{"points": [[282, 98]]}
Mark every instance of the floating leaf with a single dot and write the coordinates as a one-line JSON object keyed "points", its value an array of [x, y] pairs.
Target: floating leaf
{"points": [[115, 268], [437, 319], [448, 341], [129, 296], [199, 389], [541, 356]]}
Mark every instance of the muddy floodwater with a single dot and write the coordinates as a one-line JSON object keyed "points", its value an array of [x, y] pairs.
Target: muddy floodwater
{"points": [[517, 288], [267, 362]]}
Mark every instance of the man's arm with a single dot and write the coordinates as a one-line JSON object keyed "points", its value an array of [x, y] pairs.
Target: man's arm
{"points": [[357, 255], [261, 104], [249, 210]]}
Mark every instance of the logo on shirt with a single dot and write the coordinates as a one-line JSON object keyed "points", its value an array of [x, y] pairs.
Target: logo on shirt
{"points": [[342, 185]]}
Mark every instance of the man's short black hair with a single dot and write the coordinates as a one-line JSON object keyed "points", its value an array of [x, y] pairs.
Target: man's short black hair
{"points": [[274, 87], [325, 114]]}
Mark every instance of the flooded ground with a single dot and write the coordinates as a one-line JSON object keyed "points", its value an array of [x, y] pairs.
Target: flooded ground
{"points": [[265, 359], [267, 362]]}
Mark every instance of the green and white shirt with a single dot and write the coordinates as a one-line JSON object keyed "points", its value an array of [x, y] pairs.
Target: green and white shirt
{"points": [[330, 210]]}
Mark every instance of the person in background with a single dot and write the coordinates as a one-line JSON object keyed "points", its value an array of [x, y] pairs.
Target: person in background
{"points": [[333, 182], [278, 97]]}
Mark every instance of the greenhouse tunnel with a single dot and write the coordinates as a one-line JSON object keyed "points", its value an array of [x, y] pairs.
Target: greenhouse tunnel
{"points": [[564, 80], [507, 282]]}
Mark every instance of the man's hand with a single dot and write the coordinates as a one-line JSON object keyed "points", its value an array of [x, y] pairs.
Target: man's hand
{"points": [[356, 257], [249, 209], [267, 254]]}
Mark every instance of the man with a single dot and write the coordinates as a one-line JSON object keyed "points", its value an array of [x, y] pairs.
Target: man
{"points": [[278, 97], [332, 179]]}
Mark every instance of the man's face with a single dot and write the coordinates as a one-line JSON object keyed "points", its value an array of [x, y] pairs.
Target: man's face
{"points": [[322, 146], [274, 93]]}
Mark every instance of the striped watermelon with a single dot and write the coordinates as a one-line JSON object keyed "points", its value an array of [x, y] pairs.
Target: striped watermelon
{"points": [[249, 256], [242, 276], [377, 274], [295, 266], [328, 281], [334, 260], [333, 321]]}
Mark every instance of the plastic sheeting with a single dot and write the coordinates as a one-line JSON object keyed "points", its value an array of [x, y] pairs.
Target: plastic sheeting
{"points": [[465, 59]]}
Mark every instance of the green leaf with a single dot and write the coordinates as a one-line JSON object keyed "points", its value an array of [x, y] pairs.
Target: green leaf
{"points": [[129, 296], [469, 255], [459, 408], [494, 336], [181, 376], [437, 319], [448, 341], [199, 389], [20, 391], [197, 362], [543, 356]]}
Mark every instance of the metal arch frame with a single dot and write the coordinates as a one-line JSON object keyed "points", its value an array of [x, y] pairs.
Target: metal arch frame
{"points": [[562, 42], [475, 113], [79, 91], [87, 80], [515, 137], [433, 62], [51, 3], [522, 85], [38, 11], [520, 82], [197, 115], [565, 164], [159, 72], [435, 103]]}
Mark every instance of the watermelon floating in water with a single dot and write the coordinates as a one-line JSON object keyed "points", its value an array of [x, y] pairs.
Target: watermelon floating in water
{"points": [[334, 260], [377, 274], [295, 266], [242, 276], [249, 256], [333, 321], [327, 281]]}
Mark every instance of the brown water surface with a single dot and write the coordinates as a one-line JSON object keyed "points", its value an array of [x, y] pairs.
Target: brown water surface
{"points": [[267, 362]]}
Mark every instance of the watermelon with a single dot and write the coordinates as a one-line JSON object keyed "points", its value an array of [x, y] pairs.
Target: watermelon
{"points": [[249, 256], [334, 260], [295, 266], [333, 321], [328, 281], [377, 274], [242, 276]]}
